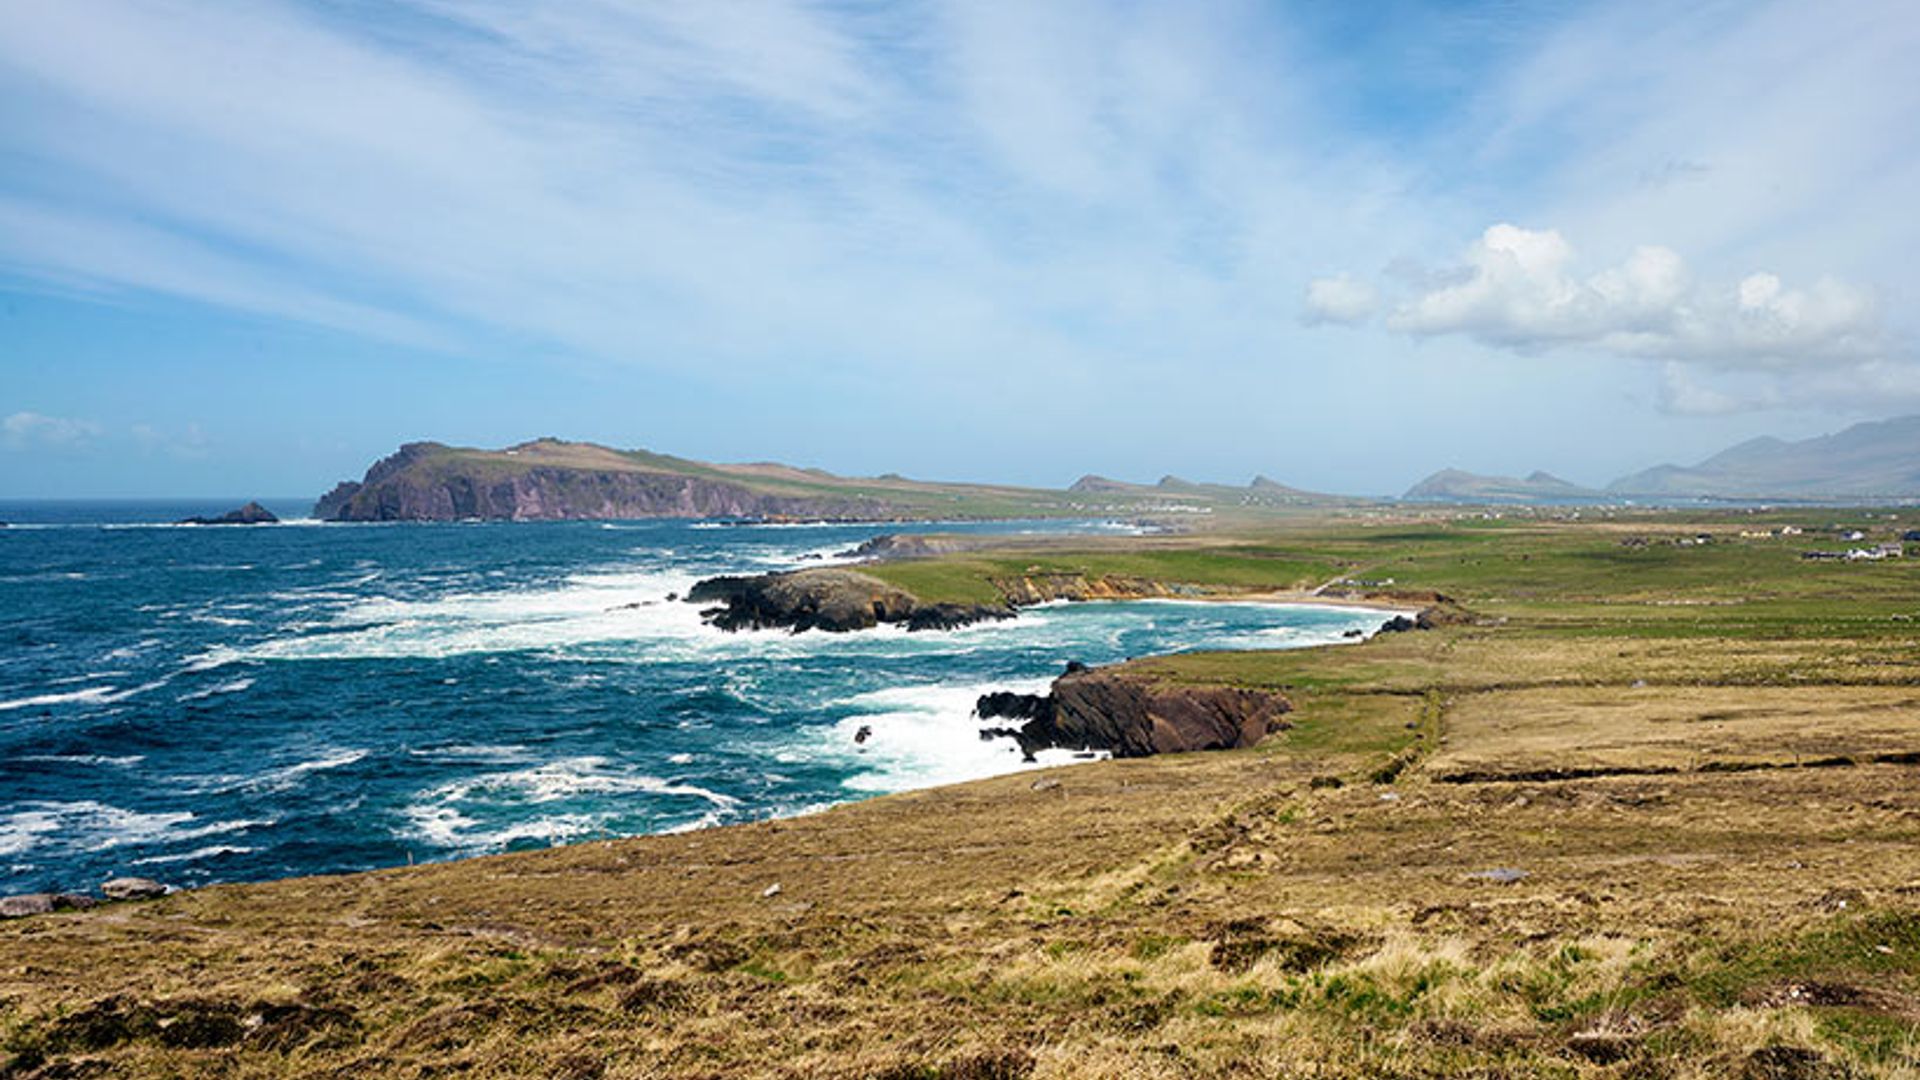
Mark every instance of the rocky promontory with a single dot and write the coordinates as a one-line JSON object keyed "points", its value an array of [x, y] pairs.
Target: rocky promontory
{"points": [[827, 599], [552, 480], [845, 599], [1130, 715]]}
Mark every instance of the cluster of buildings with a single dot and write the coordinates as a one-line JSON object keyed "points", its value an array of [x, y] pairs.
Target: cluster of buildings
{"points": [[1892, 549]]}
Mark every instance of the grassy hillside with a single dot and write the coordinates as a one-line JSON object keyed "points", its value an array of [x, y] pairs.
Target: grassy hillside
{"points": [[1650, 811]]}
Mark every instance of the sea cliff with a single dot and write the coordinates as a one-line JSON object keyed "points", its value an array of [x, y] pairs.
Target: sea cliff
{"points": [[553, 481]]}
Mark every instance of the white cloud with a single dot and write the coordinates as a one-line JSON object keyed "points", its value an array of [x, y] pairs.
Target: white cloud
{"points": [[32, 430], [1340, 299], [190, 444], [1520, 289]]}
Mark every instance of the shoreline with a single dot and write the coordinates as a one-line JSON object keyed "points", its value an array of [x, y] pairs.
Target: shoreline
{"points": [[1057, 758]]}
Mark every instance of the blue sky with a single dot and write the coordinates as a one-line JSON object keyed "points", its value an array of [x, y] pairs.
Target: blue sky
{"points": [[246, 248]]}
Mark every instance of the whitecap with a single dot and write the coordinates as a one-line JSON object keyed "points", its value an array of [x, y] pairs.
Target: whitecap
{"points": [[497, 755], [122, 761], [232, 686], [283, 778], [92, 695], [195, 855]]}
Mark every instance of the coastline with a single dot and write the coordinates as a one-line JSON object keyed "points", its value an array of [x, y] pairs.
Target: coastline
{"points": [[1496, 832]]}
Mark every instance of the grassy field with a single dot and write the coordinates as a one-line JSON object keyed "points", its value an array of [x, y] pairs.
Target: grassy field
{"points": [[1649, 809]]}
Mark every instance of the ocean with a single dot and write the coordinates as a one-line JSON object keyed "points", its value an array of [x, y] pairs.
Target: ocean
{"points": [[209, 704]]}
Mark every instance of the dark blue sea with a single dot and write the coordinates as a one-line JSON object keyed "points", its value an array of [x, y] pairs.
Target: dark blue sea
{"points": [[202, 704]]}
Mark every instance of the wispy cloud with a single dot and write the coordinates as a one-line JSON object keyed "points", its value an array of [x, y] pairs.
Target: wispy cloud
{"points": [[31, 430], [188, 444], [661, 184], [1340, 299], [951, 192]]}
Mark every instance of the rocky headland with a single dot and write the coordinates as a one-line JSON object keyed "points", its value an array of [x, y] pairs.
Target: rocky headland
{"points": [[827, 599], [841, 600], [1130, 715], [550, 480]]}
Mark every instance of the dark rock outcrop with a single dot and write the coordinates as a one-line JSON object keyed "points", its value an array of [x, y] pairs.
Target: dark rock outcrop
{"points": [[1429, 618], [827, 599], [251, 514], [333, 505], [955, 616], [837, 599], [1132, 716]]}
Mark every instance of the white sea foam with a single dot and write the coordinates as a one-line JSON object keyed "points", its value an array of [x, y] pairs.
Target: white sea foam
{"points": [[917, 736], [87, 825], [446, 815], [582, 609]]}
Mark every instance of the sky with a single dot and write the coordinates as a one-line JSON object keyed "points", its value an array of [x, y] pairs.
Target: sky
{"points": [[246, 248]]}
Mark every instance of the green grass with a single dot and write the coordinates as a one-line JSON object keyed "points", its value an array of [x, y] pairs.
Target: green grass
{"points": [[971, 578]]}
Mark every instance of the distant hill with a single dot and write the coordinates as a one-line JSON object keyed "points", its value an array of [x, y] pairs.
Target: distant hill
{"points": [[1875, 460], [1455, 485], [553, 479], [1262, 492]]}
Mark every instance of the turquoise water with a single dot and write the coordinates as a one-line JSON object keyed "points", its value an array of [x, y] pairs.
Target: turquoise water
{"points": [[221, 704]]}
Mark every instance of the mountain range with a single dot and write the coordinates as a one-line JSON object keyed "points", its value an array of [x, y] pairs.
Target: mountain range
{"points": [[553, 479], [1870, 462]]}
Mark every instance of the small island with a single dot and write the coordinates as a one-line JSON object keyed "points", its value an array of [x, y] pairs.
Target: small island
{"points": [[250, 514]]}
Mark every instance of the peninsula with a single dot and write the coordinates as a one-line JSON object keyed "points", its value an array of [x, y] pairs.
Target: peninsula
{"points": [[555, 480]]}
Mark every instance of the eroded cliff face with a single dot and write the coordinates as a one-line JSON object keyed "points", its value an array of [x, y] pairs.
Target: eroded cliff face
{"points": [[1030, 589], [1132, 716], [426, 482]]}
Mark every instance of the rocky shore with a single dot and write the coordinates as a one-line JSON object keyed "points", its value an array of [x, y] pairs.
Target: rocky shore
{"points": [[841, 600], [1129, 715], [827, 599]]}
